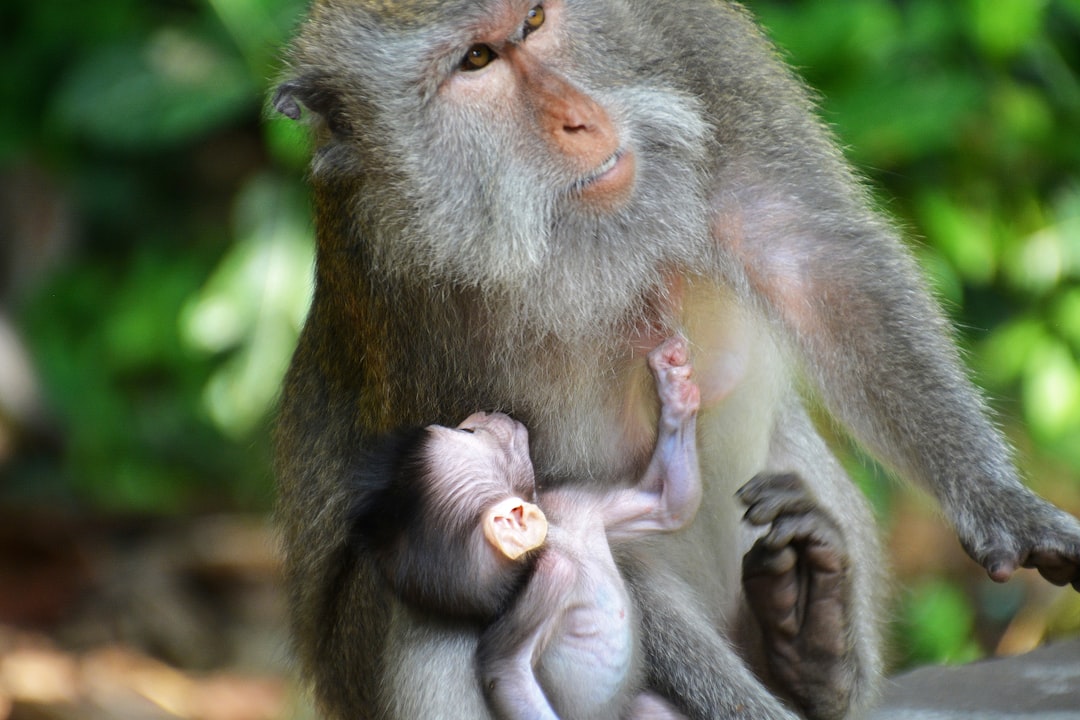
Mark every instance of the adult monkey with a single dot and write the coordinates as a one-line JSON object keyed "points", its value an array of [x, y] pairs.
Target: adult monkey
{"points": [[514, 203]]}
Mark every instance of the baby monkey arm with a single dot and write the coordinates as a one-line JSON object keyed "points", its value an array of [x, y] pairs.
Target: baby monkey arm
{"points": [[667, 496]]}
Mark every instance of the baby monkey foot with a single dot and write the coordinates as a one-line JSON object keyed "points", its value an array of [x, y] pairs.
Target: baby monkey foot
{"points": [[670, 365], [798, 585]]}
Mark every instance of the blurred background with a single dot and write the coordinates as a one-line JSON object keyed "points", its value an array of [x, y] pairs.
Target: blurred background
{"points": [[155, 261]]}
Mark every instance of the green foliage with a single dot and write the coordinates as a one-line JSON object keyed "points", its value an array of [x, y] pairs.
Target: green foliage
{"points": [[937, 624], [160, 369], [253, 306], [170, 87], [127, 388]]}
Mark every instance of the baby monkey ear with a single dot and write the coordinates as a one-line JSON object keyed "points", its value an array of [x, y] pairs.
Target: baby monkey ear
{"points": [[514, 527]]}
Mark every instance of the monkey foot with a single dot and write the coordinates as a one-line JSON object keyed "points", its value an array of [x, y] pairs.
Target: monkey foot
{"points": [[797, 583]]}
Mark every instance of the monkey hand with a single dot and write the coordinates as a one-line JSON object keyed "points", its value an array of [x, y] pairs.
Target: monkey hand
{"points": [[670, 366], [514, 527], [798, 585], [1012, 527]]}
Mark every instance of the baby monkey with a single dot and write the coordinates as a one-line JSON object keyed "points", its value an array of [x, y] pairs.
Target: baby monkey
{"points": [[455, 522]]}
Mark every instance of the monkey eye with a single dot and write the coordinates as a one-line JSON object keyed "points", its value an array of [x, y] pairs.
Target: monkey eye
{"points": [[478, 56], [533, 20]]}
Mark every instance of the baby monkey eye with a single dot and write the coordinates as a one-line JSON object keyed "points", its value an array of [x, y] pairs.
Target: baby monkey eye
{"points": [[534, 20], [477, 57]]}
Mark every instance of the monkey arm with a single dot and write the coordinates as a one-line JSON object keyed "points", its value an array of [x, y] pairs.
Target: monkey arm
{"points": [[509, 649], [669, 493], [796, 237], [876, 348]]}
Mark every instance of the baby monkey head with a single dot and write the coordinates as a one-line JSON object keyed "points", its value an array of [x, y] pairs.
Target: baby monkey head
{"points": [[483, 464], [448, 513]]}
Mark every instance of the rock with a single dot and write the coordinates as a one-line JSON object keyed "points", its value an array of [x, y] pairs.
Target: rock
{"points": [[1041, 685]]}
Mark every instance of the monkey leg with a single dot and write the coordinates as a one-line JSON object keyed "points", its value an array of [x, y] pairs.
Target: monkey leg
{"points": [[798, 585], [688, 663]]}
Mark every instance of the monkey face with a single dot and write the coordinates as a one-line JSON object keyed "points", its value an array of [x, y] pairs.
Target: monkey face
{"points": [[502, 153]]}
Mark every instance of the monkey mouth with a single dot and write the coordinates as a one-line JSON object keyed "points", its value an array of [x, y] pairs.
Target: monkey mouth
{"points": [[605, 173]]}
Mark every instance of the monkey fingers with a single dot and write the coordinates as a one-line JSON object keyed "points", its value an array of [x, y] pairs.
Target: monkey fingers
{"points": [[767, 496], [1032, 533], [1060, 566], [1055, 568], [672, 352], [1057, 554], [797, 583]]}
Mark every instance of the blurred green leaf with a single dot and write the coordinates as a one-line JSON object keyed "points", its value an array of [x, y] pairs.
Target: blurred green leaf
{"points": [[944, 279], [962, 234], [254, 304], [1051, 385], [937, 621], [825, 34], [1003, 27], [906, 113], [259, 27], [1066, 316], [288, 141], [1005, 354], [171, 87], [1023, 114], [1040, 261]]}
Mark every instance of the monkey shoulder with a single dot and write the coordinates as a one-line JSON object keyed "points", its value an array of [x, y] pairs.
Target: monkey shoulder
{"points": [[578, 556], [577, 553]]}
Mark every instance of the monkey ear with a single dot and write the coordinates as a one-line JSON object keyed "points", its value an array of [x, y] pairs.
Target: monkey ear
{"points": [[514, 527], [285, 99], [314, 92]]}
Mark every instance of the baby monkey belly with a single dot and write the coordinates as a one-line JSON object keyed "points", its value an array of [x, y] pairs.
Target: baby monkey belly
{"points": [[586, 671]]}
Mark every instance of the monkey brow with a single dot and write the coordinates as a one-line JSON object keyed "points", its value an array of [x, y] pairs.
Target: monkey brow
{"points": [[415, 14]]}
